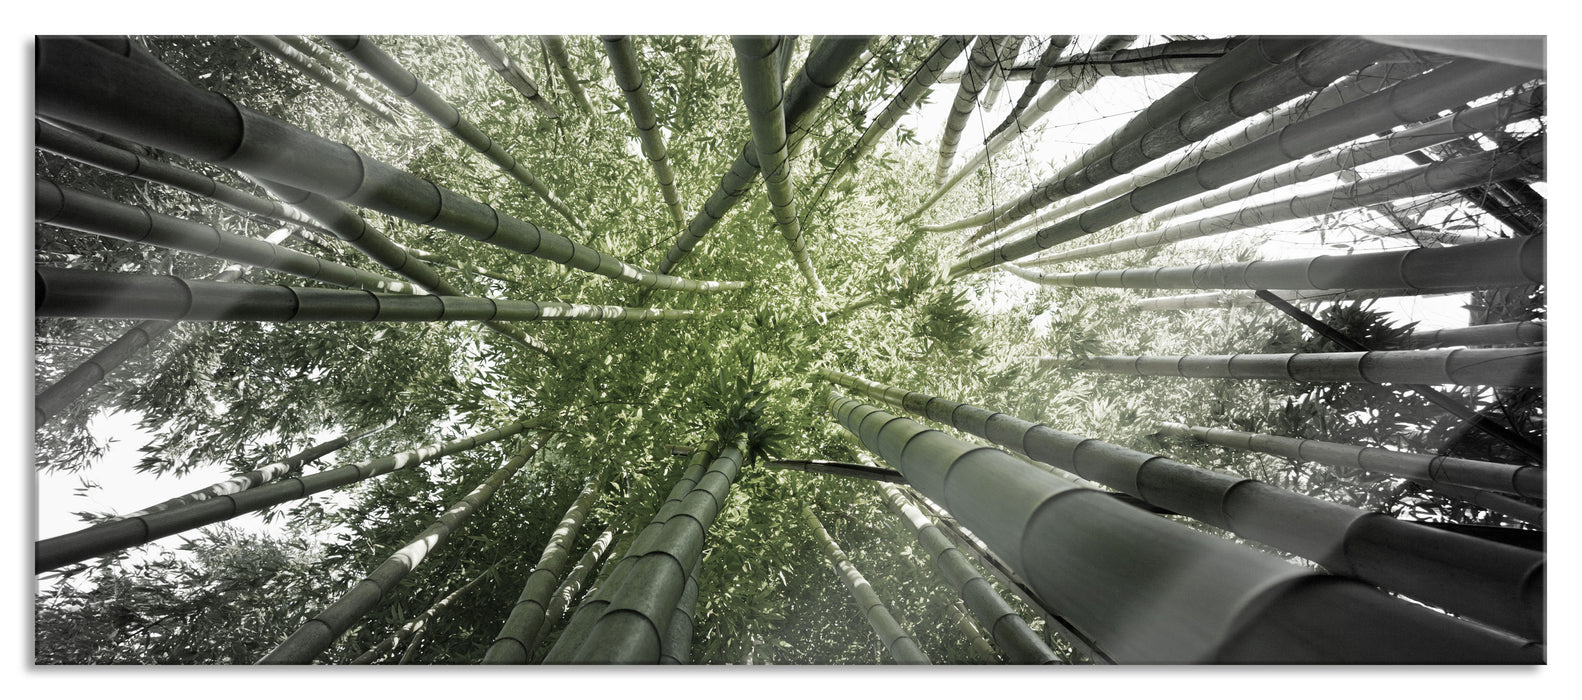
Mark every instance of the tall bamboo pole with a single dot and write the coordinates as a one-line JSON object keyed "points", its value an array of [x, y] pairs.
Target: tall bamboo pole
{"points": [[318, 633], [305, 65], [560, 602], [1495, 583], [1153, 591], [901, 646], [1040, 72], [676, 646], [414, 628], [1241, 298], [623, 63], [1462, 366], [979, 62], [555, 47], [1517, 333], [81, 83], [106, 538], [1179, 56], [511, 71]]}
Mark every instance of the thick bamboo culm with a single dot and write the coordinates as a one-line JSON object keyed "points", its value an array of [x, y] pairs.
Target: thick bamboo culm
{"points": [[511, 71], [623, 63], [1241, 298], [1497, 584], [1407, 102], [88, 294], [555, 47], [106, 538], [319, 73], [83, 84], [1461, 367], [1020, 644], [382, 67], [858, 471], [78, 210], [513, 643], [620, 564], [825, 66], [901, 646], [979, 61], [1527, 481], [414, 628], [560, 602], [1149, 590], [320, 631], [1517, 333], [1006, 48], [761, 92], [676, 647], [1184, 56]]}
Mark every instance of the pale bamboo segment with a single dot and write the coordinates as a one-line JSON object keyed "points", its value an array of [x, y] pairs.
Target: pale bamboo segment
{"points": [[87, 294], [570, 587], [1149, 590], [761, 91], [1238, 299], [1526, 481], [555, 47], [305, 65], [105, 538], [80, 211], [856, 471], [1461, 367], [1010, 632], [1005, 53], [1494, 583], [826, 64], [1517, 333], [511, 71], [1438, 177], [676, 647], [979, 62], [80, 83], [623, 63], [417, 626], [901, 646], [321, 631], [403, 83], [513, 643]]}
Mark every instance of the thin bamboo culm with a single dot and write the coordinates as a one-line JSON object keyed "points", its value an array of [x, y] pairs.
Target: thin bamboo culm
{"points": [[896, 640], [629, 76]]}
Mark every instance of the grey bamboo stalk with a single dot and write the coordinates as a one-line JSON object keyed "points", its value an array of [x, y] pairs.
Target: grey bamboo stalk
{"points": [[901, 646], [319, 632], [640, 606], [1010, 632], [1517, 333], [1526, 481], [982, 650], [1182, 56], [262, 475], [511, 71], [81, 83], [1149, 590], [1236, 299], [78, 210], [1460, 367], [623, 63], [1040, 72], [620, 567], [419, 624], [676, 647], [330, 59], [570, 587], [824, 67], [555, 47], [446, 261], [105, 538], [513, 644], [1005, 55], [1493, 502], [979, 62], [1436, 178], [305, 65], [87, 294], [761, 91], [381, 66]]}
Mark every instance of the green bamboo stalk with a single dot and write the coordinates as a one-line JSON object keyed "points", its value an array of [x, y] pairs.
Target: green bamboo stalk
{"points": [[623, 63], [419, 624], [381, 66], [973, 81], [630, 628], [330, 59], [1526, 481], [87, 294], [80, 211], [675, 648], [447, 261], [901, 646], [761, 91], [1461, 367], [1517, 333], [570, 587], [99, 540], [80, 83], [513, 644], [1010, 632], [511, 71], [555, 48], [824, 67], [1154, 591], [857, 471], [318, 633], [305, 65]]}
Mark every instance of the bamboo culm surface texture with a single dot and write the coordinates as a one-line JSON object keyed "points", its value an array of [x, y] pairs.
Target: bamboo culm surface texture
{"points": [[1149, 590], [88, 294], [105, 538], [979, 61], [901, 646], [1495, 583], [571, 586], [511, 71], [1517, 333], [83, 84], [623, 63], [555, 46], [676, 647], [319, 632], [1461, 366]]}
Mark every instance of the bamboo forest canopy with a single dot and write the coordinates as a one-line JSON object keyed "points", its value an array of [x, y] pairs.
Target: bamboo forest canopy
{"points": [[973, 349]]}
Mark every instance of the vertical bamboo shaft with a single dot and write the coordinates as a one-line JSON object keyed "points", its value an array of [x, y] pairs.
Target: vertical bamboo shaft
{"points": [[623, 63], [901, 646], [511, 71], [555, 46], [570, 587]]}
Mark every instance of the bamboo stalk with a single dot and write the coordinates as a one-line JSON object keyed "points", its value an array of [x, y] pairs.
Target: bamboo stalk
{"points": [[319, 632], [675, 648], [106, 538], [1493, 502], [511, 71], [305, 65], [1037, 75], [1517, 333], [859, 471], [1184, 56], [981, 59], [623, 63], [1241, 298], [897, 641], [330, 59], [418, 625], [1462, 367], [570, 587], [555, 47]]}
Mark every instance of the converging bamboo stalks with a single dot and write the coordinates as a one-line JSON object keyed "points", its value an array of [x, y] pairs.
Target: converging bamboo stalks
{"points": [[623, 63], [896, 640], [305, 65]]}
